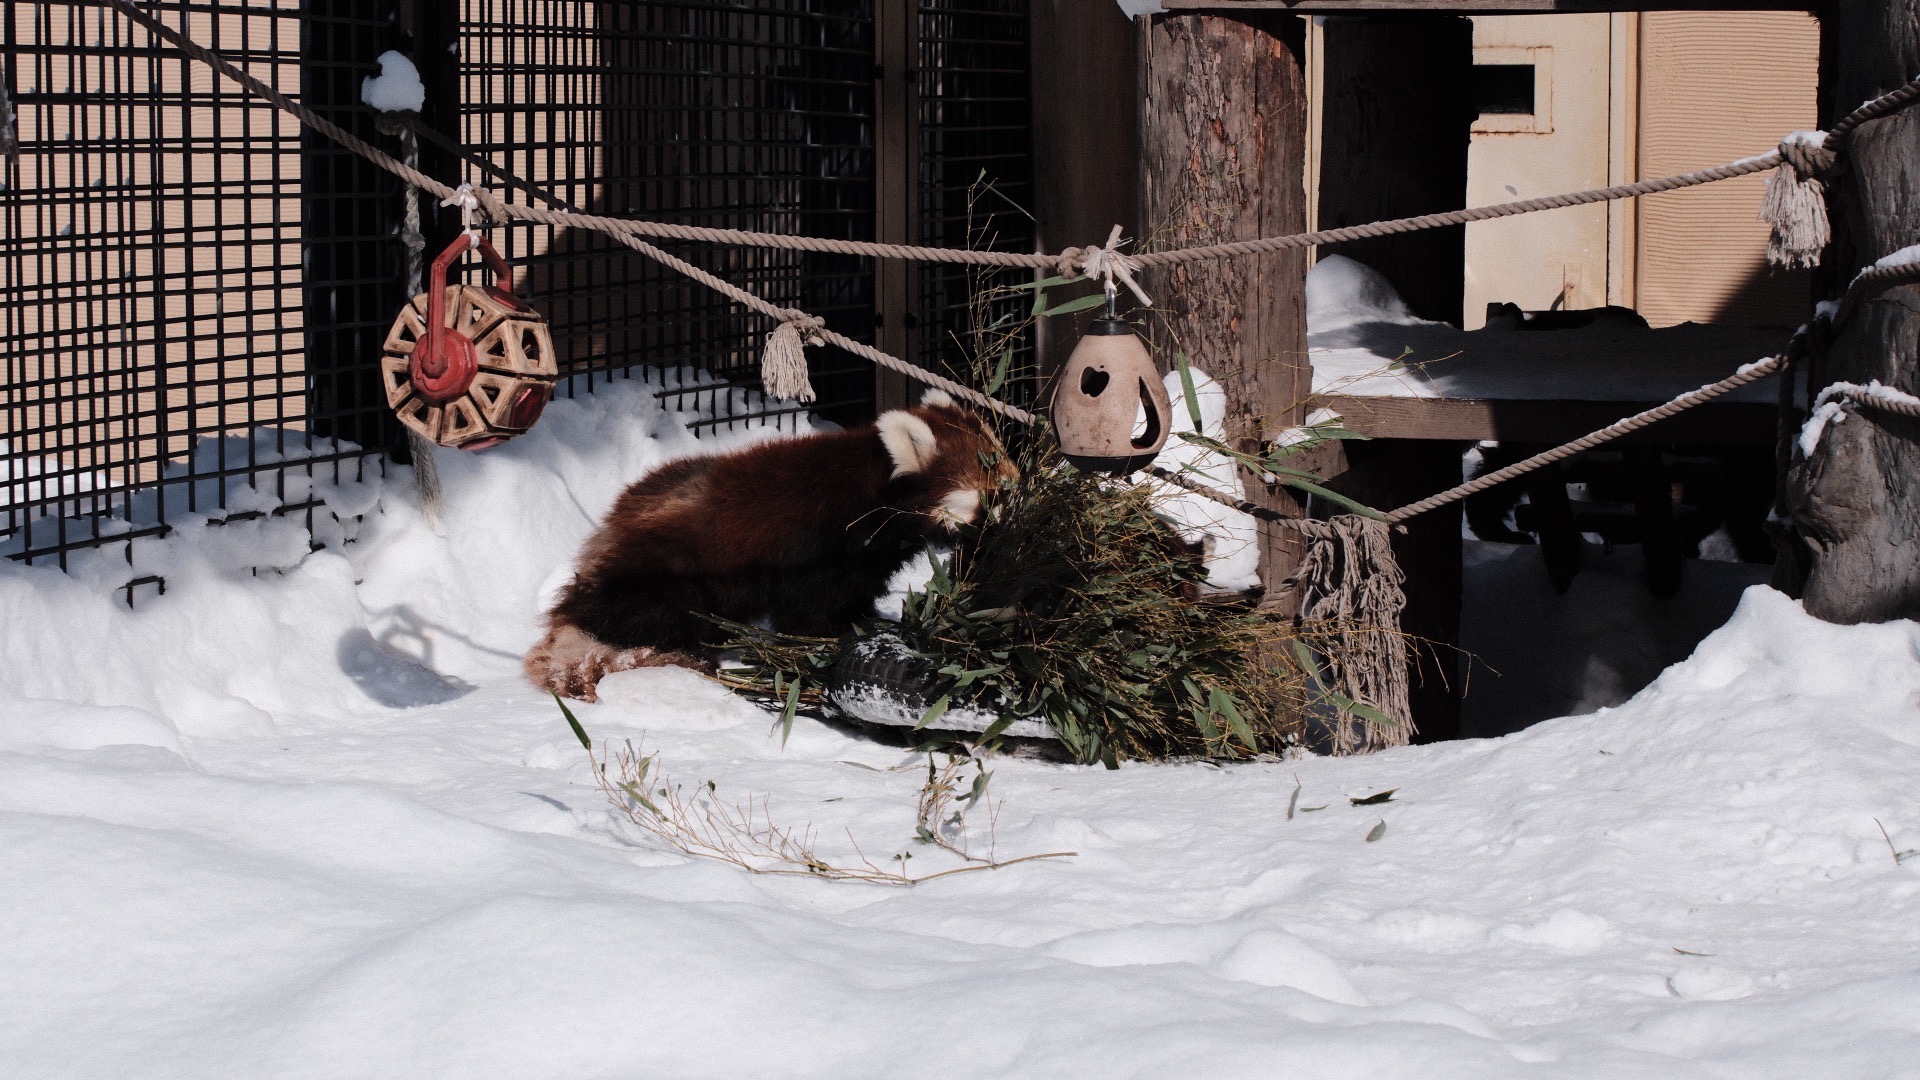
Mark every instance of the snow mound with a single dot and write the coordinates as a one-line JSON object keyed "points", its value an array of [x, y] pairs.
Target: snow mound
{"points": [[1342, 292], [300, 816]]}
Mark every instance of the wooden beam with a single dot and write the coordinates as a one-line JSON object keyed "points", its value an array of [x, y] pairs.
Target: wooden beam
{"points": [[1085, 120], [1396, 111], [1484, 7], [896, 168], [1551, 422]]}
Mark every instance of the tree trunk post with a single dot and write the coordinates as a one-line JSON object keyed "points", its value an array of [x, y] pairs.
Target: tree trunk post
{"points": [[1223, 148], [1856, 503]]}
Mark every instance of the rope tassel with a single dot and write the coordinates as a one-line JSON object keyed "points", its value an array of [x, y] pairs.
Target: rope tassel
{"points": [[1796, 202], [783, 366]]}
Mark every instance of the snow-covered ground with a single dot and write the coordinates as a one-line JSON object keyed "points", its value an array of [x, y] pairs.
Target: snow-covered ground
{"points": [[300, 817]]}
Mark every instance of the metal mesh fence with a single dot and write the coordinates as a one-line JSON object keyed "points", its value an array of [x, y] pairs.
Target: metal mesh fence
{"points": [[156, 290], [194, 290], [976, 187], [705, 112]]}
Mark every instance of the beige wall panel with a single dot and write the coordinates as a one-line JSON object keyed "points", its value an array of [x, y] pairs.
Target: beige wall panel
{"points": [[1558, 258], [1715, 86]]}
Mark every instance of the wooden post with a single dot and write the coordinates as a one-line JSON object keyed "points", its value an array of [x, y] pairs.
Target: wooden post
{"points": [[1223, 148], [1855, 504]]}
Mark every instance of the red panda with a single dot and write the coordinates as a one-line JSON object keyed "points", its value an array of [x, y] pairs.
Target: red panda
{"points": [[803, 533]]}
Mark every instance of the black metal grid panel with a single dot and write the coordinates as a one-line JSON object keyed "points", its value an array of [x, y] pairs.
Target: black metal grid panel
{"points": [[151, 279], [975, 186], [732, 114]]}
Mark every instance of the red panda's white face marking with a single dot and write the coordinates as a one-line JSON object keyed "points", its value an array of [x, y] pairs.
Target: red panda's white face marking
{"points": [[959, 507]]}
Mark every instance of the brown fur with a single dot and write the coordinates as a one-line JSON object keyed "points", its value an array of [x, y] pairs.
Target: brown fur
{"points": [[803, 532]]}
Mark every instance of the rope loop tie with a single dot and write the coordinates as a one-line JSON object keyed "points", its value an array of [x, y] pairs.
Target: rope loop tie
{"points": [[477, 203], [1796, 201], [783, 365], [1107, 262], [464, 198]]}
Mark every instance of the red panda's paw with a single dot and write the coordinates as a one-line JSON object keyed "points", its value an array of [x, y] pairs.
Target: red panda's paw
{"points": [[570, 663]]}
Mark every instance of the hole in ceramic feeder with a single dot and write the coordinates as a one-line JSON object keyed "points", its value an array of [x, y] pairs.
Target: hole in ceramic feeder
{"points": [[1152, 434], [1093, 381]]}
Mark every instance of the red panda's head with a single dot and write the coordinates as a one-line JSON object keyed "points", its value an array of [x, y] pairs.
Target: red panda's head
{"points": [[946, 461]]}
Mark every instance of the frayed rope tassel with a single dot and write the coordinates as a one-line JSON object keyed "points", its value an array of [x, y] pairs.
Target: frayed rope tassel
{"points": [[1796, 202], [783, 366], [1350, 580]]}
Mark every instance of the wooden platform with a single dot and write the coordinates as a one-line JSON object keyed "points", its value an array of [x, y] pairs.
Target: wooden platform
{"points": [[1419, 380], [1475, 419]]}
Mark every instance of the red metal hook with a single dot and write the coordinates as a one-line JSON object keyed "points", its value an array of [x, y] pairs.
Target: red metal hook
{"points": [[444, 364]]}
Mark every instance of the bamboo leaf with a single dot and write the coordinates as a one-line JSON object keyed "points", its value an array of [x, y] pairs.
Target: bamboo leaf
{"points": [[578, 731], [1000, 373], [634, 794], [934, 712], [1361, 710], [1334, 497], [1377, 831], [1375, 799], [786, 715], [1187, 390], [1068, 307]]}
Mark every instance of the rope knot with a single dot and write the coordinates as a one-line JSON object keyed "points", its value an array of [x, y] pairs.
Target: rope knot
{"points": [[477, 202], [783, 365], [1107, 262], [1807, 152], [1796, 201]]}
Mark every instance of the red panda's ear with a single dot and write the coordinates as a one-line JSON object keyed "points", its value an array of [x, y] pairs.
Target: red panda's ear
{"points": [[909, 441], [937, 398]]}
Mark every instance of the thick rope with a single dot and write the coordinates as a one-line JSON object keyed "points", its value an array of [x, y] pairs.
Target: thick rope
{"points": [[811, 327], [1749, 373], [657, 230]]}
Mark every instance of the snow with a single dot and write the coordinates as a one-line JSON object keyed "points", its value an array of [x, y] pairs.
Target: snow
{"points": [[397, 88], [300, 817], [1830, 407], [1906, 256], [1231, 538], [1364, 341]]}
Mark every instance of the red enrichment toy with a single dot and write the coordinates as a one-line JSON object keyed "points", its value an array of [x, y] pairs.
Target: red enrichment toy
{"points": [[469, 366]]}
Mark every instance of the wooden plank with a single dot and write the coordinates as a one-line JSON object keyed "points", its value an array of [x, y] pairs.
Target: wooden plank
{"points": [[1484, 7], [1085, 120], [1554, 422], [896, 167], [1223, 145], [1395, 114]]}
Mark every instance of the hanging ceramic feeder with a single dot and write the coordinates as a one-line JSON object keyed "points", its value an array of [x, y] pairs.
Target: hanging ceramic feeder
{"points": [[1109, 382], [469, 366]]}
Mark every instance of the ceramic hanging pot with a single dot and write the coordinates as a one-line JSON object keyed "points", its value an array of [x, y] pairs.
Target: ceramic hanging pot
{"points": [[1098, 403]]}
